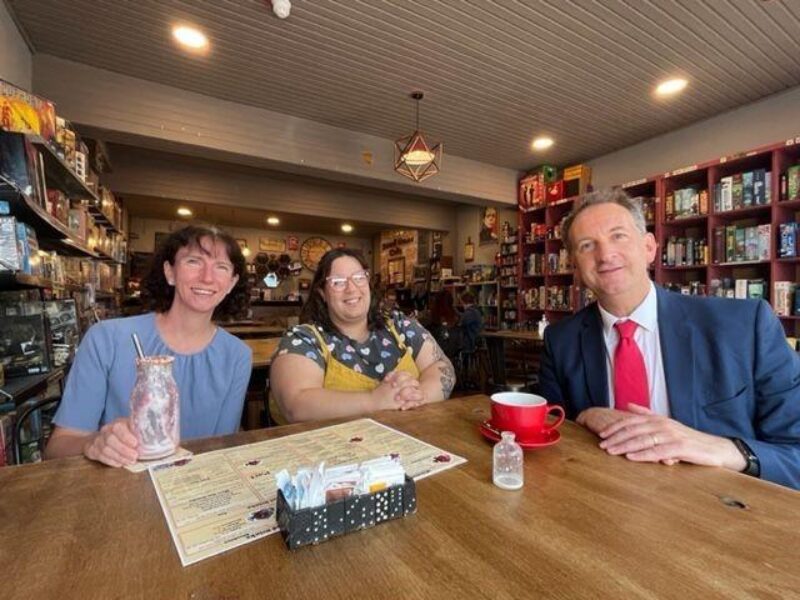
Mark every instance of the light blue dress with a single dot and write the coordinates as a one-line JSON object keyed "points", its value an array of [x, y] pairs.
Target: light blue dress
{"points": [[212, 383]]}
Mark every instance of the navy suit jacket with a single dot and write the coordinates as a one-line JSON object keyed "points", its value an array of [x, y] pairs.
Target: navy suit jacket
{"points": [[728, 368]]}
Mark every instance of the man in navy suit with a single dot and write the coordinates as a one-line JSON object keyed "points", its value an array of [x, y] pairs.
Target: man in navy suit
{"points": [[719, 385]]}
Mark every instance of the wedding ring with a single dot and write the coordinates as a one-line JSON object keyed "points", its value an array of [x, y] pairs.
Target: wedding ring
{"points": [[655, 439]]}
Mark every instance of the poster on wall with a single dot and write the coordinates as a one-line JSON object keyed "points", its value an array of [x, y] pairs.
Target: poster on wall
{"points": [[397, 271], [292, 243], [271, 245], [488, 233], [469, 250]]}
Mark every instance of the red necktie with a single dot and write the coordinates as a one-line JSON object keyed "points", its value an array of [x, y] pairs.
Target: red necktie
{"points": [[630, 376]]}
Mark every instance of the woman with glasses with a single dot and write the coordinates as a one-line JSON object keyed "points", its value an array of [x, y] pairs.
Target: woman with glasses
{"points": [[347, 358]]}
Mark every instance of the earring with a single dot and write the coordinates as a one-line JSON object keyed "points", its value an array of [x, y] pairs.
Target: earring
{"points": [[170, 282]]}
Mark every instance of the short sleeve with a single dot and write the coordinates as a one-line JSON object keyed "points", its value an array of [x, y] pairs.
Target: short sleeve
{"points": [[299, 340], [84, 399], [410, 331]]}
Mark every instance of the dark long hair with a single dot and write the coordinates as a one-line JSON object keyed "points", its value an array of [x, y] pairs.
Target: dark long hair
{"points": [[315, 310], [158, 294]]}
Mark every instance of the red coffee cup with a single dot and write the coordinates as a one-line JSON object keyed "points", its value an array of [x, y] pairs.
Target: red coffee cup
{"points": [[524, 414]]}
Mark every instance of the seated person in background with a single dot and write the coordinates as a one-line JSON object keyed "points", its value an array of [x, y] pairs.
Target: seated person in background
{"points": [[662, 377], [443, 314], [443, 324], [347, 358], [471, 321], [197, 274]]}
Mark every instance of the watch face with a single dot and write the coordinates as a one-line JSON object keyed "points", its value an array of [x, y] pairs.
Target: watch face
{"points": [[312, 251]]}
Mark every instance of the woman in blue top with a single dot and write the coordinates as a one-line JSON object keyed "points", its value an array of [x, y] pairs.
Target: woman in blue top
{"points": [[198, 274]]}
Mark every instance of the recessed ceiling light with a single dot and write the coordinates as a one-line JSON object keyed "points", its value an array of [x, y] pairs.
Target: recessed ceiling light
{"points": [[273, 220], [184, 212], [542, 143], [190, 37], [671, 86], [347, 228]]}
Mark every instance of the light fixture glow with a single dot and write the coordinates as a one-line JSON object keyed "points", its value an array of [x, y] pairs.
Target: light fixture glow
{"points": [[414, 157], [273, 220], [190, 37], [671, 86], [347, 228], [184, 212], [542, 143], [245, 252]]}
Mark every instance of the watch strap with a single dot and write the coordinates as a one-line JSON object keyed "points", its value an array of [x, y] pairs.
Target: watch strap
{"points": [[753, 467]]}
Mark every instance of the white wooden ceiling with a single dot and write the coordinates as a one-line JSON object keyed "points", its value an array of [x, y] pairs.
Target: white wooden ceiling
{"points": [[495, 73]]}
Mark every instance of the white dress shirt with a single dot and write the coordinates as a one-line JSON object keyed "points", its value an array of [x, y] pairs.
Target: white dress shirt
{"points": [[646, 337]]}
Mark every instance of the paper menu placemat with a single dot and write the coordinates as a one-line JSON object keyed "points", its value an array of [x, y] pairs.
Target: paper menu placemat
{"points": [[217, 501]]}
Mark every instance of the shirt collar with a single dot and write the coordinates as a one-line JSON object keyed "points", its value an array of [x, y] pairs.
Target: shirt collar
{"points": [[645, 315]]}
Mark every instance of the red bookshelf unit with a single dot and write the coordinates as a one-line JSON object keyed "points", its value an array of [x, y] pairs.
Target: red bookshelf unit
{"points": [[729, 227]]}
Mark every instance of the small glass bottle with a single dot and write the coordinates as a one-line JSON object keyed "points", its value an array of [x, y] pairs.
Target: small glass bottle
{"points": [[507, 466]]}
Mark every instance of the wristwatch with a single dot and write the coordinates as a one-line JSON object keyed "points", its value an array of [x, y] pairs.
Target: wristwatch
{"points": [[753, 467]]}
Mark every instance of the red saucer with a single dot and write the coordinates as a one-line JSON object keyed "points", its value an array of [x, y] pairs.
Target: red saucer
{"points": [[546, 439]]}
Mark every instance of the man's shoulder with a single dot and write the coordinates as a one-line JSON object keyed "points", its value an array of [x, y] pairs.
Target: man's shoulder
{"points": [[574, 323], [709, 309]]}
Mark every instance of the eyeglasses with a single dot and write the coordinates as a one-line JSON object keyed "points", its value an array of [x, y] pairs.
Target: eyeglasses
{"points": [[339, 284]]}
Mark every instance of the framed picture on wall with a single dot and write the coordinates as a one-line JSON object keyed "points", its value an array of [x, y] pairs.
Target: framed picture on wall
{"points": [[488, 233], [242, 243], [469, 250], [397, 270], [271, 245]]}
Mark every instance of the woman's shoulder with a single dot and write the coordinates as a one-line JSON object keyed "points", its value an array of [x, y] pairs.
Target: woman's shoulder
{"points": [[139, 324], [305, 332], [402, 321], [231, 343]]}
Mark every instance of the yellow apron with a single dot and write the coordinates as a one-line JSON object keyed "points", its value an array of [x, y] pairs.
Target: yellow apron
{"points": [[340, 377]]}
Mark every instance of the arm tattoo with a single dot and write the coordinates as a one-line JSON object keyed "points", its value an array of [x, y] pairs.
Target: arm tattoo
{"points": [[448, 377]]}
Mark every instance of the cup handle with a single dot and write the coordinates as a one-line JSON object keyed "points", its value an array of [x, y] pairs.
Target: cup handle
{"points": [[559, 420]]}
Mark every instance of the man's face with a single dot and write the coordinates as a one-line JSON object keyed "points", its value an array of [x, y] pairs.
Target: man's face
{"points": [[611, 254]]}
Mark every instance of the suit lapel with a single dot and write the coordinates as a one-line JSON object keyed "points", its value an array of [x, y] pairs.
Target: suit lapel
{"points": [[593, 351], [675, 331]]}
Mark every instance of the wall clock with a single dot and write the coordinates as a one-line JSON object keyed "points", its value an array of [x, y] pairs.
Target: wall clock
{"points": [[312, 250]]}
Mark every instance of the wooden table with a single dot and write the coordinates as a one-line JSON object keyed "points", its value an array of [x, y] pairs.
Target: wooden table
{"points": [[585, 525], [254, 330], [263, 349], [508, 334], [496, 344]]}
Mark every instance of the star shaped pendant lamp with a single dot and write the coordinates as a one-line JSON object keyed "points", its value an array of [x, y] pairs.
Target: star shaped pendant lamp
{"points": [[414, 156]]}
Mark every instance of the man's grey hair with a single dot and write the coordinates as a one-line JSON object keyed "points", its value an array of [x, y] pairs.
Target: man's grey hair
{"points": [[604, 196]]}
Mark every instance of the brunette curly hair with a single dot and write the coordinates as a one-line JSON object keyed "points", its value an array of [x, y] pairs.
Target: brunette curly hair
{"points": [[158, 294], [315, 310]]}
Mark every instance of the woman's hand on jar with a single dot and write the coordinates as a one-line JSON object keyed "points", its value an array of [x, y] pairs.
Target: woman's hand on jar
{"points": [[114, 445]]}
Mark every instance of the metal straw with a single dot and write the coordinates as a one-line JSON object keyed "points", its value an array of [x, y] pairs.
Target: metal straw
{"points": [[138, 344]]}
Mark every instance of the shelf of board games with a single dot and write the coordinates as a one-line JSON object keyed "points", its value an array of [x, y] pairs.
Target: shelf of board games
{"points": [[728, 226], [51, 221]]}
